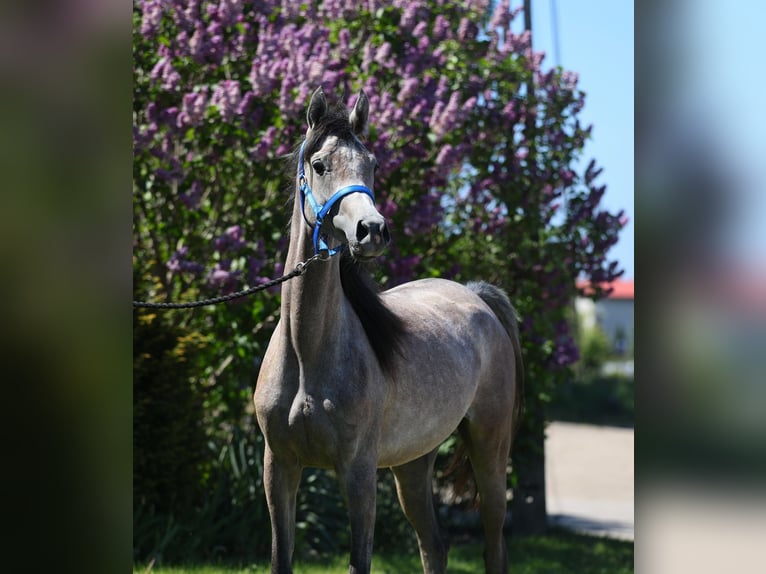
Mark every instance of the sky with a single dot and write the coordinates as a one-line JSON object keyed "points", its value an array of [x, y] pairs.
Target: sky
{"points": [[595, 39]]}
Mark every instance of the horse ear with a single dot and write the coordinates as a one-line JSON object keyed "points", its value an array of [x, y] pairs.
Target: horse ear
{"points": [[359, 115], [317, 107]]}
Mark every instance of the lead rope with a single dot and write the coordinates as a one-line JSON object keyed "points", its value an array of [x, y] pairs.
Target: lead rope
{"points": [[300, 269]]}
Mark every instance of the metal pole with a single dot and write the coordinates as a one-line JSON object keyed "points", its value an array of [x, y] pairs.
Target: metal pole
{"points": [[555, 31]]}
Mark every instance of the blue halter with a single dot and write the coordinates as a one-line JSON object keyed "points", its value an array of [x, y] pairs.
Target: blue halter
{"points": [[321, 210]]}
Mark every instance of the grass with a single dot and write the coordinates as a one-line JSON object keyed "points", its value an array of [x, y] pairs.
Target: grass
{"points": [[558, 552]]}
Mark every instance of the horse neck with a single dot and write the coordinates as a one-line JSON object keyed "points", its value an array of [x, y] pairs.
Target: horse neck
{"points": [[311, 303]]}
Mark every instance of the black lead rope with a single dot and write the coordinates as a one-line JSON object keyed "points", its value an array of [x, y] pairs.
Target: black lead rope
{"points": [[300, 269]]}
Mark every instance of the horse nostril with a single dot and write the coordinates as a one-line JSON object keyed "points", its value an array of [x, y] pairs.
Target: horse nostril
{"points": [[376, 232], [386, 235], [362, 230]]}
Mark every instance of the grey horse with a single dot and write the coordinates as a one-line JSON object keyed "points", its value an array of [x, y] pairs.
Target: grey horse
{"points": [[355, 379]]}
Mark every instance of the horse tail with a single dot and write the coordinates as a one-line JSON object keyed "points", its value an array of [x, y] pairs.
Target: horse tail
{"points": [[501, 306], [459, 466]]}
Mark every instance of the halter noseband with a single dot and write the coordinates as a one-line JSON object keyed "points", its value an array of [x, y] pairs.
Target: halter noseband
{"points": [[320, 211]]}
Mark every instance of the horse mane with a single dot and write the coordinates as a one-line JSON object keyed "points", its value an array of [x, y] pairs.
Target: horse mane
{"points": [[384, 329]]}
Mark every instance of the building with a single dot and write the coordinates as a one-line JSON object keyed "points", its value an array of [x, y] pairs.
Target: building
{"points": [[613, 314]]}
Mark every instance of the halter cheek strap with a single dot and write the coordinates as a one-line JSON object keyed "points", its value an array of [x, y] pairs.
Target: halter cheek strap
{"points": [[320, 211]]}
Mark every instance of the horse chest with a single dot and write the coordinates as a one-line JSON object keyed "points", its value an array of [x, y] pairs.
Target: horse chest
{"points": [[315, 426]]}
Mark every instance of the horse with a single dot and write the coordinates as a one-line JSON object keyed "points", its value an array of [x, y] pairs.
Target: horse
{"points": [[355, 379]]}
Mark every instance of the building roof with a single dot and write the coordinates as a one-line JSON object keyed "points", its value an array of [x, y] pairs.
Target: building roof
{"points": [[620, 288]]}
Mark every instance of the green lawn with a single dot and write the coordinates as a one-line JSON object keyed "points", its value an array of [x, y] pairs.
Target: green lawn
{"points": [[558, 552]]}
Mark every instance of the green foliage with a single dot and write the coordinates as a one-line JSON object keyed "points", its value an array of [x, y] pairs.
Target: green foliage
{"points": [[168, 439], [595, 349], [595, 399], [230, 521], [393, 532], [322, 517]]}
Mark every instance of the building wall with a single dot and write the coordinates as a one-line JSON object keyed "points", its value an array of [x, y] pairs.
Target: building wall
{"points": [[613, 316], [586, 313]]}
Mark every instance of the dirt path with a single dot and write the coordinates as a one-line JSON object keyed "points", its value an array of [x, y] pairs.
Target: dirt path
{"points": [[589, 478]]}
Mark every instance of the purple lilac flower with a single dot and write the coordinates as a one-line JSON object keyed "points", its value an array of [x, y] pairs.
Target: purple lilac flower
{"points": [[187, 12], [255, 264], [409, 89], [466, 30], [421, 29], [569, 80], [402, 267], [388, 208], [383, 52], [501, 17], [151, 17], [246, 103], [164, 74], [222, 278], [567, 176], [261, 149], [231, 240], [226, 97], [591, 172], [214, 46], [193, 108], [441, 27], [409, 15], [191, 198], [520, 43], [445, 117], [197, 44], [444, 154], [178, 263], [229, 11]]}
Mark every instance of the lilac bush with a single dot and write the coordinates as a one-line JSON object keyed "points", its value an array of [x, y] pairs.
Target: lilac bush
{"points": [[476, 140]]}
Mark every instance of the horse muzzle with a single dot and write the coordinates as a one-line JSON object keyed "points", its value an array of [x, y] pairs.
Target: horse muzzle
{"points": [[371, 237]]}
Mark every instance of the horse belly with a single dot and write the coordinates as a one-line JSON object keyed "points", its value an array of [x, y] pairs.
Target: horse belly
{"points": [[449, 350], [431, 407], [410, 441]]}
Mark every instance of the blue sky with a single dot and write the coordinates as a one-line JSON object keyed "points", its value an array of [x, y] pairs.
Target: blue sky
{"points": [[595, 39]]}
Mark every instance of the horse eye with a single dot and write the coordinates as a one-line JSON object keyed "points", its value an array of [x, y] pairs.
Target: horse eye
{"points": [[318, 166]]}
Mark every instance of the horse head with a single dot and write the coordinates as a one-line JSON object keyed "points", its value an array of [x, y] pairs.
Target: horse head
{"points": [[335, 178]]}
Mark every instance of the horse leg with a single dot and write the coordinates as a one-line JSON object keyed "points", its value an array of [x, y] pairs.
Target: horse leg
{"points": [[358, 482], [488, 448], [281, 480], [413, 485]]}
